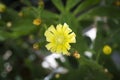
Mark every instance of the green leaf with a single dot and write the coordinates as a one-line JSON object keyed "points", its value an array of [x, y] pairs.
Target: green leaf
{"points": [[88, 70], [49, 15], [1, 38], [27, 2], [71, 3], [70, 20], [22, 28], [4, 35], [59, 5], [85, 4], [10, 15], [73, 62], [109, 11]]}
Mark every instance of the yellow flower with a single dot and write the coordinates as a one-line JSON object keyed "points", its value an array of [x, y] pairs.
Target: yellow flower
{"points": [[2, 7], [107, 49], [59, 38], [37, 21]]}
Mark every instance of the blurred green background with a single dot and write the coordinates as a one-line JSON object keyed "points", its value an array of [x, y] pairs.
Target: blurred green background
{"points": [[94, 56]]}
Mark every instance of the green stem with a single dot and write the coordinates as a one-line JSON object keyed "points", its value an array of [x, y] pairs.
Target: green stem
{"points": [[98, 56]]}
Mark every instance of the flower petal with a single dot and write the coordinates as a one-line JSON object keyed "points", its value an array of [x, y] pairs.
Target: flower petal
{"points": [[67, 46], [64, 51], [59, 49], [52, 29], [72, 38], [49, 36], [59, 28], [49, 46]]}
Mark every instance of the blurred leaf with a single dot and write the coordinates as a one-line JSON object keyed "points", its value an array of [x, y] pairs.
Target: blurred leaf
{"points": [[108, 11], [89, 70], [84, 5], [73, 62], [10, 15], [70, 4], [81, 43], [26, 2], [1, 37], [4, 35], [70, 19], [22, 28], [59, 5], [49, 15]]}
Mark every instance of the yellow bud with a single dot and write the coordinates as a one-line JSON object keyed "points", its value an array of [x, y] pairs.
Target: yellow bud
{"points": [[57, 75], [117, 3], [37, 21], [9, 24], [41, 3], [76, 55], [36, 46], [2, 7], [106, 70], [20, 14], [107, 49], [31, 37]]}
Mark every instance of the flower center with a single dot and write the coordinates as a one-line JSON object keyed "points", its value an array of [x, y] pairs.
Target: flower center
{"points": [[60, 40]]}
